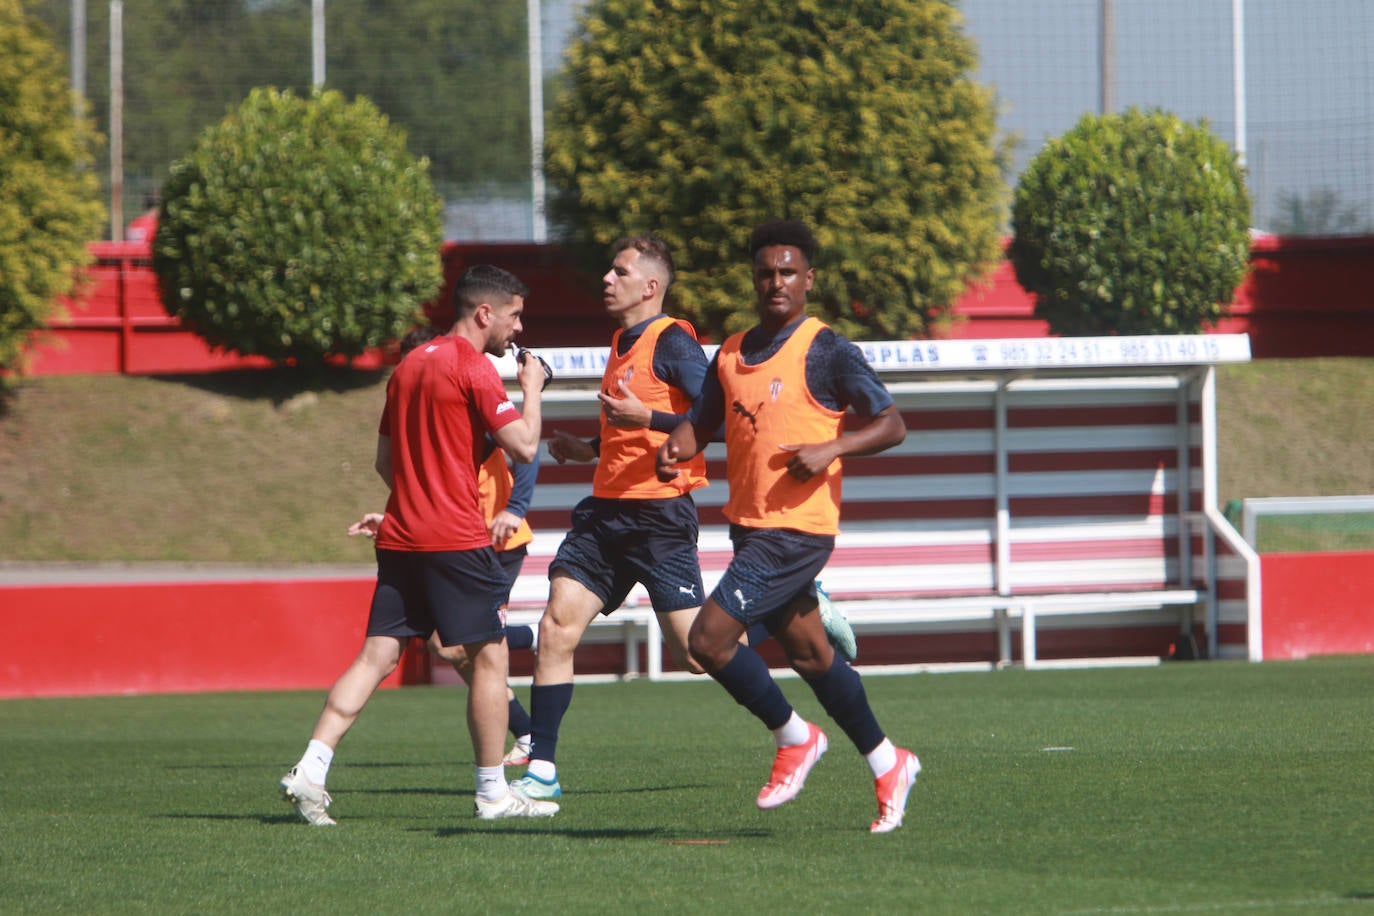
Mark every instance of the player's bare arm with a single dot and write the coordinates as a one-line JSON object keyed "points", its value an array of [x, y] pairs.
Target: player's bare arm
{"points": [[520, 438]]}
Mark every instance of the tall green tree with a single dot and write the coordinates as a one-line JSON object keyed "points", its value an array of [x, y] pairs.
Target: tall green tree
{"points": [[49, 196], [451, 73], [698, 119], [1132, 223], [298, 228]]}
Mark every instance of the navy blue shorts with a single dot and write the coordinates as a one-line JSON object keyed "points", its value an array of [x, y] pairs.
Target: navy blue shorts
{"points": [[771, 567], [457, 592], [511, 562], [615, 543]]}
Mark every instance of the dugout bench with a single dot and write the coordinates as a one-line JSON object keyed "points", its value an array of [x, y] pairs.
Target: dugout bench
{"points": [[1059, 489]]}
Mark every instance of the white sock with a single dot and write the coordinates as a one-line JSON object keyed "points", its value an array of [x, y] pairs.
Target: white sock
{"points": [[793, 732], [882, 758], [523, 741], [491, 782], [546, 770], [315, 763]]}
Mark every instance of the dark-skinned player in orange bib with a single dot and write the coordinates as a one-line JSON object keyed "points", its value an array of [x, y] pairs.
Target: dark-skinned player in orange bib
{"points": [[782, 389]]}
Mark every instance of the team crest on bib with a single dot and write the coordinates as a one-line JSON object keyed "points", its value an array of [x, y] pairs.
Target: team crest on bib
{"points": [[775, 388]]}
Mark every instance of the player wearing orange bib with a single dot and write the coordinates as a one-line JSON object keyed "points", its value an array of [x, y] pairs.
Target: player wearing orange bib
{"points": [[634, 528], [782, 389]]}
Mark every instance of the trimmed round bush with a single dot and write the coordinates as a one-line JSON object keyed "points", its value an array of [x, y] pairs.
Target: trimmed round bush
{"points": [[299, 228], [1133, 223], [50, 208], [699, 119]]}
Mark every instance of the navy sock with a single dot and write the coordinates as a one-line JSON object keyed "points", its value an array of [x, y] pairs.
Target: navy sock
{"points": [[746, 678], [842, 694], [756, 634], [519, 637], [519, 719], [548, 704]]}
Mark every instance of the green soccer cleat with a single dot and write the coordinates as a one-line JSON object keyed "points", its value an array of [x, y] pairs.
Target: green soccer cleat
{"points": [[837, 628], [532, 786]]}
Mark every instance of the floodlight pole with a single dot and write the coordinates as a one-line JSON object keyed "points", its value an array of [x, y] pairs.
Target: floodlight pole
{"points": [[1238, 75], [539, 220], [1107, 57], [78, 38], [117, 120], [317, 43]]}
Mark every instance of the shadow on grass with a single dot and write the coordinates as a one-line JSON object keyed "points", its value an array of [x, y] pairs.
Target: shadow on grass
{"points": [[279, 384], [422, 764], [668, 835], [448, 790], [265, 819]]}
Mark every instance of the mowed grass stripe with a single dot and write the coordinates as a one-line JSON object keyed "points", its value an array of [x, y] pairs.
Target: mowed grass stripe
{"points": [[1193, 787]]}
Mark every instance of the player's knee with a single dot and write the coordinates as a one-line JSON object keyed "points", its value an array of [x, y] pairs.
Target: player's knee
{"points": [[709, 653], [456, 656]]}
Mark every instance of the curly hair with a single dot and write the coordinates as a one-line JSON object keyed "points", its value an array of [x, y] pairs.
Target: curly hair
{"points": [[790, 232]]}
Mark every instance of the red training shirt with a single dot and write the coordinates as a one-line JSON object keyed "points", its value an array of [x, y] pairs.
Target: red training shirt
{"points": [[440, 402]]}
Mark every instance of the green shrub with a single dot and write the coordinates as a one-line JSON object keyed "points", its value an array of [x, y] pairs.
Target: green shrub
{"points": [[698, 119], [1135, 223], [50, 207], [298, 228]]}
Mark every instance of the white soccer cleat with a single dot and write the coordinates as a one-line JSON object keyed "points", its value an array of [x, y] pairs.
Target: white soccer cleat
{"points": [[790, 767], [311, 801], [513, 804], [517, 756], [892, 789]]}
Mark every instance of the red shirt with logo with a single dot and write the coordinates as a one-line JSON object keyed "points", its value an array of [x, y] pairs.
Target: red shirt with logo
{"points": [[440, 402]]}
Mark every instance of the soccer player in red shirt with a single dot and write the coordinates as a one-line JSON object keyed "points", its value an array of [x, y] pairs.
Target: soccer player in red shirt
{"points": [[436, 569]]}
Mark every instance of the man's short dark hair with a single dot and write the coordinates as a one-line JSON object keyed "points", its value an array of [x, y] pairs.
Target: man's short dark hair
{"points": [[485, 283], [652, 247], [418, 336], [791, 232]]}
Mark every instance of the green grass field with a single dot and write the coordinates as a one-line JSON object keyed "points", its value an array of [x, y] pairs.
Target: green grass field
{"points": [[1219, 787]]}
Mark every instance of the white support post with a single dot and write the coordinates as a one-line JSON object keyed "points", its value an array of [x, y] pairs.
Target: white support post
{"points": [[1002, 570], [654, 648], [1028, 650], [1183, 480]]}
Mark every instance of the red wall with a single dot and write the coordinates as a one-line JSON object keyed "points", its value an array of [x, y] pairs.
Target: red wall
{"points": [[180, 637], [1304, 297], [301, 633], [1317, 604]]}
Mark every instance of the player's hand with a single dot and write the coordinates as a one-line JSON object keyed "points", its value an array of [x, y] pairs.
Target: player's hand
{"points": [[626, 411], [564, 447], [532, 372], [665, 461], [367, 526], [502, 525], [809, 460]]}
